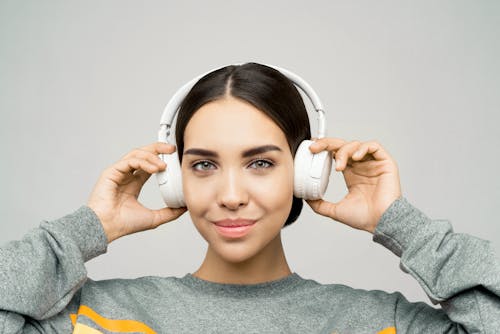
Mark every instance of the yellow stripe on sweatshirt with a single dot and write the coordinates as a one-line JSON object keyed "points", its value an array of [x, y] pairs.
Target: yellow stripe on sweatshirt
{"points": [[84, 329], [388, 330], [123, 326]]}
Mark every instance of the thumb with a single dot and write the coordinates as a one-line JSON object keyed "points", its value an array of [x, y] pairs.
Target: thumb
{"points": [[166, 215], [324, 208]]}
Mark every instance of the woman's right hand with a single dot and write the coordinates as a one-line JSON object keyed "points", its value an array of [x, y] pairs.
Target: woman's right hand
{"points": [[114, 197]]}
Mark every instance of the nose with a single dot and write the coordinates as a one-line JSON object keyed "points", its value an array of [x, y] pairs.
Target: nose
{"points": [[232, 192]]}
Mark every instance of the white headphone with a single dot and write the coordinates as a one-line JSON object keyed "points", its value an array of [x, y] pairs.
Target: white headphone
{"points": [[311, 171]]}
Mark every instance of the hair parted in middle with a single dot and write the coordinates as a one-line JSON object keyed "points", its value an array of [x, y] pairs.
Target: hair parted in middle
{"points": [[266, 89]]}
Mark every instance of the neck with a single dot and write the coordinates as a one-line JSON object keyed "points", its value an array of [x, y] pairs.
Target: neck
{"points": [[268, 265]]}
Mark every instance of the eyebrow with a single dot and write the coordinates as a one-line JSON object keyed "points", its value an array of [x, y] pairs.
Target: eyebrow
{"points": [[248, 153]]}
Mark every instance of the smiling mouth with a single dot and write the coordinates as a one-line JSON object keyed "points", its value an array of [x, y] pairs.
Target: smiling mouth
{"points": [[234, 228], [234, 222]]}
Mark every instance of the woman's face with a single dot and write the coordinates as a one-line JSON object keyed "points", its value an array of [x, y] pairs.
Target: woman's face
{"points": [[224, 179]]}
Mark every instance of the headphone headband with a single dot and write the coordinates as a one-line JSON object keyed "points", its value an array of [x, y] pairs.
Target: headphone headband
{"points": [[173, 105]]}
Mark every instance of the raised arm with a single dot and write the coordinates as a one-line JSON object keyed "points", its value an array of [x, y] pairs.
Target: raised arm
{"points": [[42, 274], [458, 271]]}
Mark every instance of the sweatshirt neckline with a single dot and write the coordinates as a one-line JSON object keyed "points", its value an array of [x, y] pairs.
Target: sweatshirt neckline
{"points": [[242, 290]]}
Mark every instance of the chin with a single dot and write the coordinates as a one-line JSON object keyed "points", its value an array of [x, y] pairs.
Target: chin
{"points": [[236, 252]]}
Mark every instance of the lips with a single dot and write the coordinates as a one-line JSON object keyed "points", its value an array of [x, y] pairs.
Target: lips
{"points": [[234, 222], [236, 228]]}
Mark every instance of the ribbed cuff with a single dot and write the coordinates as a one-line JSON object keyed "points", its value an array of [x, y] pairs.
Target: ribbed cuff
{"points": [[399, 226], [84, 228]]}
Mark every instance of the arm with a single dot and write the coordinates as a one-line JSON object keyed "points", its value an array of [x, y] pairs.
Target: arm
{"points": [[458, 271], [42, 274]]}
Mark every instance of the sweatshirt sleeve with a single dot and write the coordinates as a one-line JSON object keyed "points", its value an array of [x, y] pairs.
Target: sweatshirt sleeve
{"points": [[40, 274], [458, 271]]}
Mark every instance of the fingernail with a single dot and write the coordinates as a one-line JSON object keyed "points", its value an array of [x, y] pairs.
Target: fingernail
{"points": [[337, 163]]}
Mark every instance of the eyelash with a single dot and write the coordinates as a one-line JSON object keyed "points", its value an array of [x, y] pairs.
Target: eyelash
{"points": [[270, 164]]}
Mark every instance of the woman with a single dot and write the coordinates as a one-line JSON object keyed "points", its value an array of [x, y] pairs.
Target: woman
{"points": [[237, 178]]}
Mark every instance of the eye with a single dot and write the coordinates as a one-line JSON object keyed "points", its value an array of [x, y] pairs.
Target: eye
{"points": [[262, 164], [202, 165]]}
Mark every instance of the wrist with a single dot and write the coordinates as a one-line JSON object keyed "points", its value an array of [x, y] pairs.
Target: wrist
{"points": [[110, 232]]}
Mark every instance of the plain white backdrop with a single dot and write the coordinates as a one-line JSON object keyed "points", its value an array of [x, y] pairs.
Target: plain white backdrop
{"points": [[82, 83]]}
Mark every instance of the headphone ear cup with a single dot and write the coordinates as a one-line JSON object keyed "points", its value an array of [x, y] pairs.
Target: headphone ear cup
{"points": [[170, 181], [311, 172]]}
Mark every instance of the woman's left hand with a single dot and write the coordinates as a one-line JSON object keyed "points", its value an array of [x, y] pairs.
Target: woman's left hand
{"points": [[372, 180]]}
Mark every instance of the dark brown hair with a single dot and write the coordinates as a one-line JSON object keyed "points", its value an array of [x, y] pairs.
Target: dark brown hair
{"points": [[267, 90]]}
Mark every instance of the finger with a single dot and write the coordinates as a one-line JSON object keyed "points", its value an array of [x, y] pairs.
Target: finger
{"points": [[145, 155], [371, 148], [344, 153], [127, 166], [324, 208], [153, 149], [369, 168], [329, 144], [159, 147], [166, 215]]}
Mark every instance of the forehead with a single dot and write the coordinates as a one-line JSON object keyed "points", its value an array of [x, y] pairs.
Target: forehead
{"points": [[231, 123]]}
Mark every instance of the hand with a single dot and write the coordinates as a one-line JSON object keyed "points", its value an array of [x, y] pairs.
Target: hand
{"points": [[372, 180], [114, 197]]}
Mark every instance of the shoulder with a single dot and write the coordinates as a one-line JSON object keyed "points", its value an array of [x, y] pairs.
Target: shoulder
{"points": [[351, 298], [126, 288]]}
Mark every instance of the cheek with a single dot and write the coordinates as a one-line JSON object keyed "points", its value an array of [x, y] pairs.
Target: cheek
{"points": [[198, 199], [276, 191], [198, 192], [273, 196]]}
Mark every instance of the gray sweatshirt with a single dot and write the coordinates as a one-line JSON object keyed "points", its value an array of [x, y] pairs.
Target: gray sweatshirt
{"points": [[44, 288]]}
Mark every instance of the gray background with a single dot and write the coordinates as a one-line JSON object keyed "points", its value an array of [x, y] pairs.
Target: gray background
{"points": [[82, 83]]}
